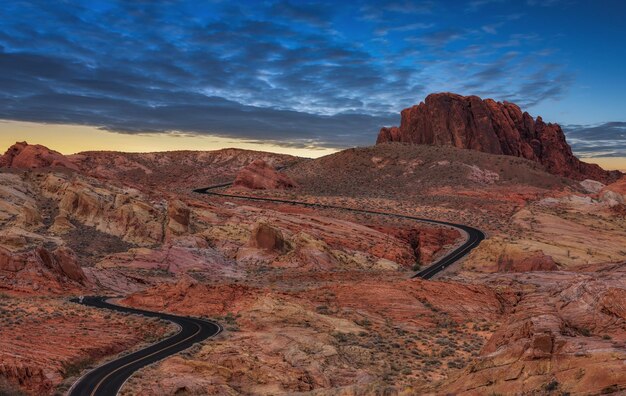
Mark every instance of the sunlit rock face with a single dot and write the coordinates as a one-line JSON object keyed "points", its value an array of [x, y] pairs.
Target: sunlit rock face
{"points": [[259, 175], [469, 122], [24, 155]]}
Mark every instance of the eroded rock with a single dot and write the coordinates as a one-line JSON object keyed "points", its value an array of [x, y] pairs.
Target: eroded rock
{"points": [[493, 127], [261, 176]]}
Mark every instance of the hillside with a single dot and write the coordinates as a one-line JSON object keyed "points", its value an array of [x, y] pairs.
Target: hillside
{"points": [[401, 170]]}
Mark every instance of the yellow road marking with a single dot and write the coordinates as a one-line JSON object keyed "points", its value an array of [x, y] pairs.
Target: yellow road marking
{"points": [[142, 358]]}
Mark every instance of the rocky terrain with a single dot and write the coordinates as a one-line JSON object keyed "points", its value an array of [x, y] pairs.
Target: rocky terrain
{"points": [[46, 343], [260, 175], [313, 300], [492, 127]]}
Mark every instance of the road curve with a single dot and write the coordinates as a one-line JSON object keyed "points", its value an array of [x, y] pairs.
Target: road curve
{"points": [[473, 235], [109, 378]]}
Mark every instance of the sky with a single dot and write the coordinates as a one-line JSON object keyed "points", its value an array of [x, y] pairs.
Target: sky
{"points": [[297, 76]]}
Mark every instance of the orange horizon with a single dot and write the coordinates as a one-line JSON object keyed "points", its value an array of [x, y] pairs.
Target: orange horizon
{"points": [[73, 139]]}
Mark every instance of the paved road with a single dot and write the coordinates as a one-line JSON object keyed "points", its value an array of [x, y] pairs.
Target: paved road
{"points": [[109, 378], [473, 235]]}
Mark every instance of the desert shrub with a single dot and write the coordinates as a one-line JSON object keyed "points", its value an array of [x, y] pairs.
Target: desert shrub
{"points": [[610, 389], [341, 338], [552, 385], [456, 364], [74, 368], [322, 309], [8, 389], [446, 323], [447, 351], [230, 318]]}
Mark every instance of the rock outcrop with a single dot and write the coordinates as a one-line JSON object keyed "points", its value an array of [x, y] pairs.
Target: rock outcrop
{"points": [[496, 255], [468, 122], [261, 176], [24, 155], [564, 337], [179, 216], [55, 271], [614, 194], [266, 237], [124, 213]]}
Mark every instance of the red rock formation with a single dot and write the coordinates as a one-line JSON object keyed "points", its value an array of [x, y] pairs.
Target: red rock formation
{"points": [[426, 242], [179, 217], [33, 269], [266, 237], [62, 261], [469, 122], [24, 155], [261, 176], [526, 262]]}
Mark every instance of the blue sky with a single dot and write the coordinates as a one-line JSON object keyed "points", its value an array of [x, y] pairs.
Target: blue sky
{"points": [[310, 73]]}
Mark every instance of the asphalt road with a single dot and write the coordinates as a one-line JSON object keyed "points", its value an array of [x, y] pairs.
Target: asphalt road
{"points": [[474, 235], [109, 378]]}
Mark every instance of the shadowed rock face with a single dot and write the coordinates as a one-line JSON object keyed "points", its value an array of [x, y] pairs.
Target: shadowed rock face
{"points": [[61, 264], [468, 122], [267, 237]]}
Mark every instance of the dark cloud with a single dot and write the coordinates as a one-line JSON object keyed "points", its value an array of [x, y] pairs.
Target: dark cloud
{"points": [[286, 71], [315, 14], [603, 140], [440, 38]]}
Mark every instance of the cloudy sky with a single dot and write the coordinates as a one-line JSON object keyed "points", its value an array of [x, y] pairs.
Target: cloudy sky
{"points": [[305, 74]]}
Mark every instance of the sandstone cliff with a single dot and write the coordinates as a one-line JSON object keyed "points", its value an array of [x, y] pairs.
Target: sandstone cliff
{"points": [[469, 122]]}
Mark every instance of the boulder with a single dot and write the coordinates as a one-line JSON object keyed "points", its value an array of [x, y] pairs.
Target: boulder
{"points": [[261, 176], [266, 237], [179, 216], [592, 186]]}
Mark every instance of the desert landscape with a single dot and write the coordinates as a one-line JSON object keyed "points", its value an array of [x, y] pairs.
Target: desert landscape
{"points": [[312, 198], [314, 299]]}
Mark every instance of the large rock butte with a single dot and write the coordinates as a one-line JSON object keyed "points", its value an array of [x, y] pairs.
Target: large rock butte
{"points": [[469, 122]]}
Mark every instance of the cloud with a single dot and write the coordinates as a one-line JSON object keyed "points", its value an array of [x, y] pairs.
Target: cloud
{"points": [[475, 5], [383, 31], [198, 115], [602, 140], [279, 70], [382, 11], [440, 38], [543, 3], [314, 14]]}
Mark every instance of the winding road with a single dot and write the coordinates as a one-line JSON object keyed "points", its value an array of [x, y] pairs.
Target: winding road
{"points": [[473, 235], [110, 377]]}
